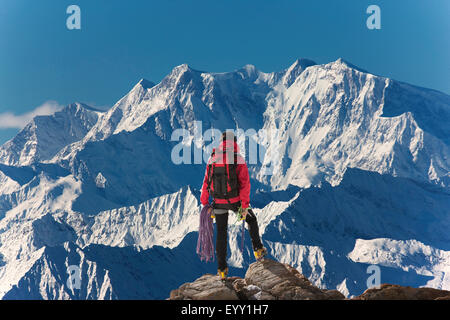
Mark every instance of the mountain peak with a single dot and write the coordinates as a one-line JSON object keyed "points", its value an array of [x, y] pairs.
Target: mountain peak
{"points": [[146, 84], [249, 71], [296, 69], [249, 68], [343, 62], [183, 68], [302, 63], [142, 86], [37, 140], [80, 106]]}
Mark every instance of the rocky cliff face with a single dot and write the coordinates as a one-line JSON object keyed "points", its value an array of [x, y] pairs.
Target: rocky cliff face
{"points": [[272, 280]]}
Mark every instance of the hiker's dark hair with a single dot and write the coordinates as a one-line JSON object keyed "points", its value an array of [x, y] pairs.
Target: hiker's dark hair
{"points": [[228, 135]]}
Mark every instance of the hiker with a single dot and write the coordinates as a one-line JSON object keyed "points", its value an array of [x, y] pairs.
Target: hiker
{"points": [[228, 182]]}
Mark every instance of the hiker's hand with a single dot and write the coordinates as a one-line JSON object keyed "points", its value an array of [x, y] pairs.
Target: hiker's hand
{"points": [[211, 212], [244, 213]]}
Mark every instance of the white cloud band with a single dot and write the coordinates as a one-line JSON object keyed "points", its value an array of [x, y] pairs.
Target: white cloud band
{"points": [[9, 120]]}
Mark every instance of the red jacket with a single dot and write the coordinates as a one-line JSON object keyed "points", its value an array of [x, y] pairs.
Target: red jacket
{"points": [[243, 178]]}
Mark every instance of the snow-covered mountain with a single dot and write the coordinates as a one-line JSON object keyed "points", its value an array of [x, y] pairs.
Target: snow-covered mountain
{"points": [[362, 177], [44, 136]]}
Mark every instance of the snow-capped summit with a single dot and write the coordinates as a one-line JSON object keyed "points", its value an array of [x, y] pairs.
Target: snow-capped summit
{"points": [[146, 84], [346, 64], [141, 88], [44, 136], [292, 73], [248, 71]]}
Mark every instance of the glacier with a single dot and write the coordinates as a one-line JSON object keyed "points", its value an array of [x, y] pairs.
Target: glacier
{"points": [[362, 179]]}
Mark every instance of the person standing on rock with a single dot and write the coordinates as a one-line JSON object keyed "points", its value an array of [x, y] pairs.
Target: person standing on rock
{"points": [[228, 182]]}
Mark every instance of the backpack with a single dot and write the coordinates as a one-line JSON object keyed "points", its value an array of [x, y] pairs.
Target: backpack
{"points": [[223, 177]]}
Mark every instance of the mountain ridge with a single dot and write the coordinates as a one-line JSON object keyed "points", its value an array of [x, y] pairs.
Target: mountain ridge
{"points": [[362, 172]]}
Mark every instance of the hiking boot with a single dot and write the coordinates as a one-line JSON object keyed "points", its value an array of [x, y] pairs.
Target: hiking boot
{"points": [[260, 253], [223, 274]]}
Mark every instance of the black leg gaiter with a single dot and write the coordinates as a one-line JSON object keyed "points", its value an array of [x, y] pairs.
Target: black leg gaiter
{"points": [[222, 240], [253, 230]]}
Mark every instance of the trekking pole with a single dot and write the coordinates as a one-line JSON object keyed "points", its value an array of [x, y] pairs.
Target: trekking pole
{"points": [[240, 217], [242, 236]]}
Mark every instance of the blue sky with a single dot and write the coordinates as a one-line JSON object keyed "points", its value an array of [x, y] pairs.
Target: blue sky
{"points": [[43, 64]]}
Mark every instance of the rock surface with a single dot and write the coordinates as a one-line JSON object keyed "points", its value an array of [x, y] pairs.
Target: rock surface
{"points": [[272, 280], [396, 292], [264, 280], [207, 287], [283, 282]]}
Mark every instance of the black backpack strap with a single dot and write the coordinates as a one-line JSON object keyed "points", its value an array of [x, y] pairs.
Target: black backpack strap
{"points": [[210, 177], [234, 165]]}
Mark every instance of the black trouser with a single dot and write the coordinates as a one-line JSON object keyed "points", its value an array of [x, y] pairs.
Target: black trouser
{"points": [[222, 236]]}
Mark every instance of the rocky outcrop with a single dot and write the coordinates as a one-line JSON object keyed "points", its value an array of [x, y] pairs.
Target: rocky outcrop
{"points": [[265, 280], [396, 292], [207, 287], [283, 282], [272, 280]]}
